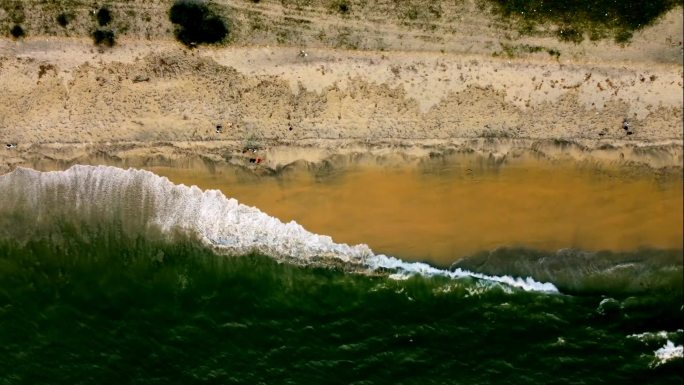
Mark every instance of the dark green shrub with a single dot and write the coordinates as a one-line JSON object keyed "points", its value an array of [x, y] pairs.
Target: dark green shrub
{"points": [[17, 31], [63, 19], [104, 37], [623, 36], [104, 17], [570, 35], [343, 7], [196, 23], [412, 13], [621, 17]]}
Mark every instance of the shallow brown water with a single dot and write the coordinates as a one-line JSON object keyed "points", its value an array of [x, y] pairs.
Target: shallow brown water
{"points": [[445, 213]]}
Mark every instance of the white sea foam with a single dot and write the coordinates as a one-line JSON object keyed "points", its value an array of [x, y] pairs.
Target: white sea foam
{"points": [[408, 268], [655, 336], [143, 197], [668, 352]]}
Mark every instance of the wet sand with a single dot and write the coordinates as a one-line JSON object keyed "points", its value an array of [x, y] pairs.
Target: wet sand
{"points": [[440, 214]]}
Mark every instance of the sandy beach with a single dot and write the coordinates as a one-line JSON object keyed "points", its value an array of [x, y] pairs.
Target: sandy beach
{"points": [[147, 100]]}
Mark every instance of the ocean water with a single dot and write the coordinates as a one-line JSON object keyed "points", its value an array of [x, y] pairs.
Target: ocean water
{"points": [[445, 209], [120, 276]]}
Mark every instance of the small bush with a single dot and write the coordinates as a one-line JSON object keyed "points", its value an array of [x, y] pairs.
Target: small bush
{"points": [[412, 13], [196, 23], [17, 31], [343, 7], [570, 34], [63, 19], [104, 17], [619, 17], [104, 37], [623, 36]]}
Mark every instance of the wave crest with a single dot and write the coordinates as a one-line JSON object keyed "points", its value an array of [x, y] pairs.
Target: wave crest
{"points": [[140, 201]]}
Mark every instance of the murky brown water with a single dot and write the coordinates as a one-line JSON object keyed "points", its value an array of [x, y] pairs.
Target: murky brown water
{"points": [[447, 213]]}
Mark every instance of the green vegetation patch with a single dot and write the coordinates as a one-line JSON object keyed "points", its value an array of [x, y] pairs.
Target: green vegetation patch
{"points": [[17, 31], [104, 37], [197, 23], [104, 16], [63, 19], [598, 18], [341, 6], [511, 51]]}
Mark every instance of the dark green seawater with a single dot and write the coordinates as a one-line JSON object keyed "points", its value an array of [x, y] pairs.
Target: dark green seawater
{"points": [[94, 290], [100, 307]]}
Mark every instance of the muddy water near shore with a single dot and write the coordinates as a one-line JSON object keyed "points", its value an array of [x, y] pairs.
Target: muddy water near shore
{"points": [[442, 213]]}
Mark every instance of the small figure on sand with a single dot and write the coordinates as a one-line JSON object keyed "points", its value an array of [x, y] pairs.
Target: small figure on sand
{"points": [[10, 145], [219, 128], [626, 126], [254, 158]]}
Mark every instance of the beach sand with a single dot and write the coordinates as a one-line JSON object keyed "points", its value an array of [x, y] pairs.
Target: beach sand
{"points": [[148, 100]]}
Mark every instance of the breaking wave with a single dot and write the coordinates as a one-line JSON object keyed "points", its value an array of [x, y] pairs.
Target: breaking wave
{"points": [[575, 271], [141, 202], [103, 267], [669, 351]]}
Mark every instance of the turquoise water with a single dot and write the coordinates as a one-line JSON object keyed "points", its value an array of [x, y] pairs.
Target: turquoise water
{"points": [[99, 291]]}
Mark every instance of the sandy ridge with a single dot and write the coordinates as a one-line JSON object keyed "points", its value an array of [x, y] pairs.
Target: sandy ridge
{"points": [[64, 92]]}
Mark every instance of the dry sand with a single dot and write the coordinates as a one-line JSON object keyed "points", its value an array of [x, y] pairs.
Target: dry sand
{"points": [[154, 101]]}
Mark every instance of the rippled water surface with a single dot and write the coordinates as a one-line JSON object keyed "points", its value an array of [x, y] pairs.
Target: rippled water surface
{"points": [[441, 213], [120, 276]]}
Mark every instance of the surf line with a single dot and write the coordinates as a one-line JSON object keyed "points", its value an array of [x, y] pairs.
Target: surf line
{"points": [[222, 222], [406, 269]]}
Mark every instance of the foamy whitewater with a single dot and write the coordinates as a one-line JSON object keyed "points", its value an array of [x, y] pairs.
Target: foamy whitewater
{"points": [[143, 198], [121, 275], [669, 351]]}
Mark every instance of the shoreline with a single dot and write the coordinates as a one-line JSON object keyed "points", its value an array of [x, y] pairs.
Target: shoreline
{"points": [[660, 157], [315, 83], [438, 209]]}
